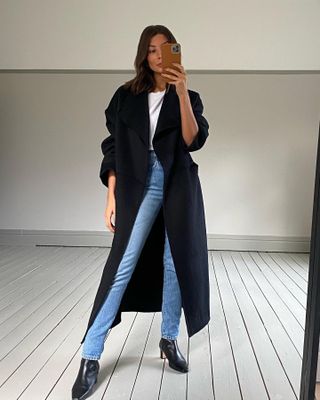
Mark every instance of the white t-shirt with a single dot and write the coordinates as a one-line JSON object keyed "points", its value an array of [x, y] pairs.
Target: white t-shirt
{"points": [[155, 100]]}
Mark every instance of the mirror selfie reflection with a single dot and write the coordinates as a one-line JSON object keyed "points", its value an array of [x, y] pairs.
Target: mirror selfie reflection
{"points": [[152, 166], [156, 220]]}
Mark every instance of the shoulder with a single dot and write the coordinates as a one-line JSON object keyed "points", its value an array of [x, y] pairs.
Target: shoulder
{"points": [[117, 97], [120, 91]]}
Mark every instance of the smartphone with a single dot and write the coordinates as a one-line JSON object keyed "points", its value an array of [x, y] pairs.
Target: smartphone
{"points": [[170, 53]]}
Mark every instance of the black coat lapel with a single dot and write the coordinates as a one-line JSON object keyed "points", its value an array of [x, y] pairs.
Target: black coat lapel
{"points": [[135, 113]]}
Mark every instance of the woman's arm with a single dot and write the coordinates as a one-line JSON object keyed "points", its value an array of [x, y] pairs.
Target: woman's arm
{"points": [[108, 145], [110, 211], [195, 127], [111, 181], [190, 111], [189, 124], [108, 164]]}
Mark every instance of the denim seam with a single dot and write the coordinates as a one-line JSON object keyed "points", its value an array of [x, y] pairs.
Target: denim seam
{"points": [[169, 337], [88, 357]]}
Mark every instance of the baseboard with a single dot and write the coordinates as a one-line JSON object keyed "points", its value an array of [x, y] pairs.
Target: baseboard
{"points": [[25, 237]]}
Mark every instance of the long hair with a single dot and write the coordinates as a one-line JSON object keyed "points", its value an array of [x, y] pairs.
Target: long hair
{"points": [[144, 79]]}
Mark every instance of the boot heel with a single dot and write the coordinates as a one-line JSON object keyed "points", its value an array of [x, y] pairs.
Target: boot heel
{"points": [[162, 355], [173, 354]]}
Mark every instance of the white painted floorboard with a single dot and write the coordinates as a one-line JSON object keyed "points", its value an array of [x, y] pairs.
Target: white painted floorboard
{"points": [[251, 349]]}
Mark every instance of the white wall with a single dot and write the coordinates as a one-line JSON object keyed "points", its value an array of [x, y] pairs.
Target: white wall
{"points": [[97, 34], [256, 168]]}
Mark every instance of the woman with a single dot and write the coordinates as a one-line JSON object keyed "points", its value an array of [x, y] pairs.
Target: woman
{"points": [[158, 259]]}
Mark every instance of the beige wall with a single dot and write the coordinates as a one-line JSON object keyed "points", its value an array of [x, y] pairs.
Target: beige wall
{"points": [[257, 167], [100, 34], [255, 63]]}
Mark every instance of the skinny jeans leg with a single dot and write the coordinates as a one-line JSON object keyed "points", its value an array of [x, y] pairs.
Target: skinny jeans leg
{"points": [[171, 297], [93, 345]]}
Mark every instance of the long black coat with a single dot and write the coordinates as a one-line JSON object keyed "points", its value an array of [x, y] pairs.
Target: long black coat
{"points": [[126, 151]]}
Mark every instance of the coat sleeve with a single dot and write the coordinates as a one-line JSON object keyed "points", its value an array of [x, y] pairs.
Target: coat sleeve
{"points": [[203, 125], [108, 144]]}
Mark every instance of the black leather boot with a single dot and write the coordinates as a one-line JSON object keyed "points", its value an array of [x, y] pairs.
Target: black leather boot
{"points": [[86, 378], [169, 349]]}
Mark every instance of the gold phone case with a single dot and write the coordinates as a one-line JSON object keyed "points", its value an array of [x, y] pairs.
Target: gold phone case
{"points": [[170, 53]]}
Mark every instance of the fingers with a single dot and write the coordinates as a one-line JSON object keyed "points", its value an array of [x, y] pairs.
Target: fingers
{"points": [[108, 219], [174, 74], [173, 71], [179, 66], [113, 226]]}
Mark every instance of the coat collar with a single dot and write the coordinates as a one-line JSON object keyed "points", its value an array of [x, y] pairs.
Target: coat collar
{"points": [[134, 111]]}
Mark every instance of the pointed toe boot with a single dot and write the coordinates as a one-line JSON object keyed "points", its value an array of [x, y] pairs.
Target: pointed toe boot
{"points": [[169, 349], [86, 379]]}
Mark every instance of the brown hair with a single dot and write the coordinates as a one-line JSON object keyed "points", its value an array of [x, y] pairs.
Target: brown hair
{"points": [[144, 79]]}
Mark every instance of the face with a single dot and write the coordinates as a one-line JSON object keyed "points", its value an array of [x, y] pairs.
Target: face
{"points": [[154, 52]]}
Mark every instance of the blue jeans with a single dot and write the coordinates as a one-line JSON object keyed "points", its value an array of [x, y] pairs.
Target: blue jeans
{"points": [[171, 297]]}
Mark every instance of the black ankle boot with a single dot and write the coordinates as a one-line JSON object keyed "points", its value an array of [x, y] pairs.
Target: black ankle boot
{"points": [[86, 378], [169, 349]]}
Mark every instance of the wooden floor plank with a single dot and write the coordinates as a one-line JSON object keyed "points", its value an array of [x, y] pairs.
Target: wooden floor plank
{"points": [[251, 348], [225, 379], [27, 343], [23, 263], [174, 383], [294, 273], [26, 280], [199, 385], [245, 360], [113, 346], [283, 288], [275, 379], [128, 364], [42, 285], [272, 316], [57, 298], [148, 380], [15, 385]]}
